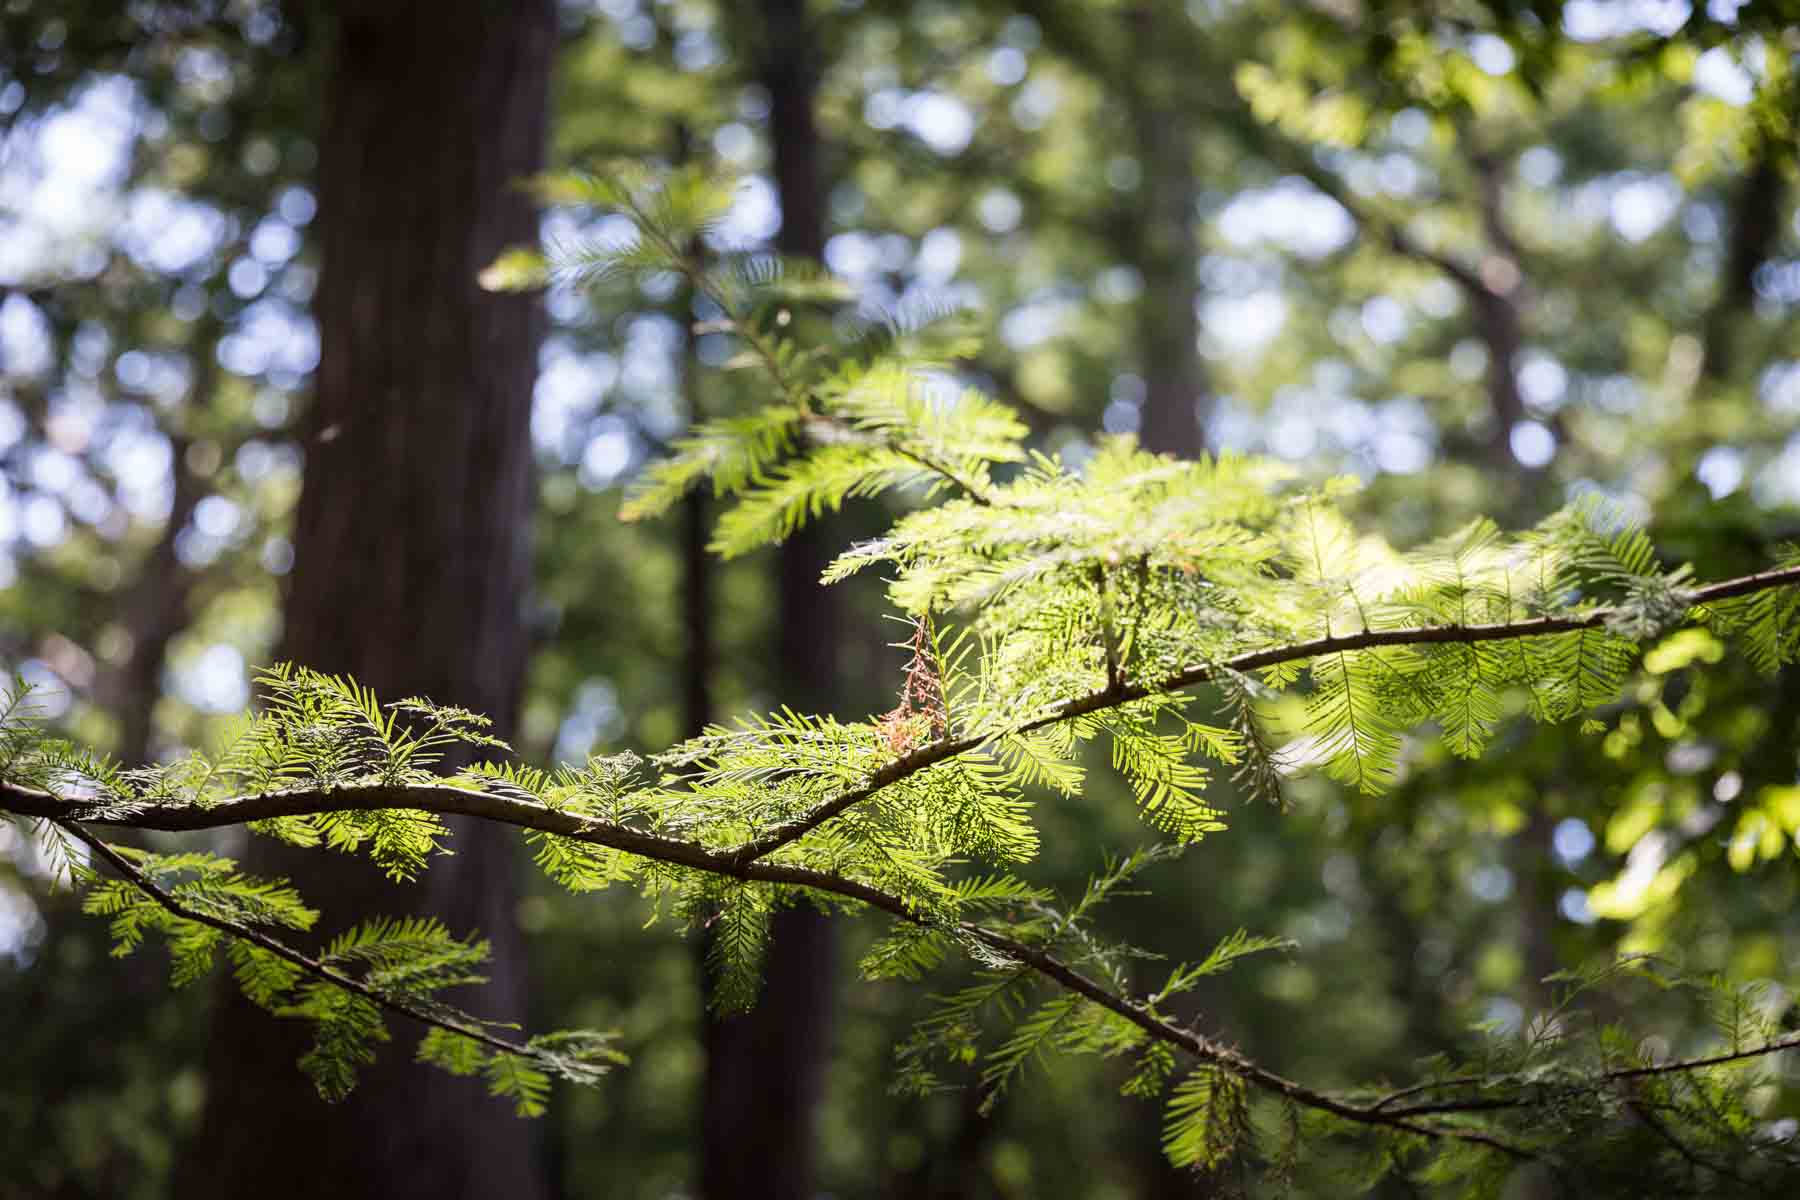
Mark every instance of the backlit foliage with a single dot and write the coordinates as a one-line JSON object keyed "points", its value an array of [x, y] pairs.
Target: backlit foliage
{"points": [[1190, 620]]}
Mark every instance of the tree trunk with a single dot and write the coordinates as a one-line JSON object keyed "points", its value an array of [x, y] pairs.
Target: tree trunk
{"points": [[1499, 321], [154, 611], [1166, 250], [765, 1069], [411, 557], [1755, 228], [697, 562]]}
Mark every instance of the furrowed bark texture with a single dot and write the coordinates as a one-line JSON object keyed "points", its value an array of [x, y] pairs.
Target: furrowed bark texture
{"points": [[765, 1069], [411, 560]]}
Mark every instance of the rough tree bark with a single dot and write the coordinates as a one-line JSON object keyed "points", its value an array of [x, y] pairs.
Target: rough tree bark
{"points": [[765, 1069], [411, 558]]}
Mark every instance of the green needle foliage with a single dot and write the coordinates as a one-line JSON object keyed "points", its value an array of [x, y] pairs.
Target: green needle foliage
{"points": [[1191, 617]]}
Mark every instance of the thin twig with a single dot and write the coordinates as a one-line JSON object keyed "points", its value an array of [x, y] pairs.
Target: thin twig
{"points": [[1430, 1085], [279, 949], [792, 390], [1692, 1157]]}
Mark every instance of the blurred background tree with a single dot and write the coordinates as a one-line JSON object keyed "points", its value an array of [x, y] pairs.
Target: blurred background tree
{"points": [[411, 553], [1484, 258]]}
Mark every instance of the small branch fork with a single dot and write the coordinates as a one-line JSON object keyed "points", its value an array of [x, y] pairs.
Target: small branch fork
{"points": [[744, 863], [1119, 692], [1620, 1075]]}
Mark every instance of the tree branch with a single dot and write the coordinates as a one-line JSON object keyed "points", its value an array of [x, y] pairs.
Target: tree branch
{"points": [[281, 950], [1656, 1125], [1603, 1079], [743, 862], [827, 431], [1115, 694], [456, 801], [443, 798]]}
